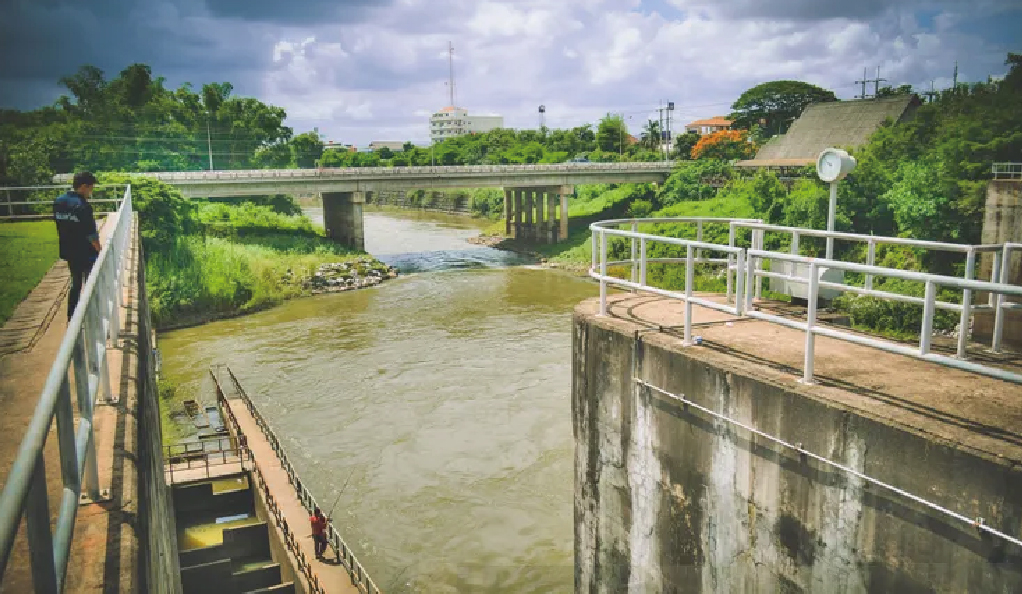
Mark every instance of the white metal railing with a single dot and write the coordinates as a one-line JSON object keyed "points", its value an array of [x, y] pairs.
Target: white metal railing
{"points": [[744, 270], [8, 203], [83, 355], [426, 170], [1007, 170]]}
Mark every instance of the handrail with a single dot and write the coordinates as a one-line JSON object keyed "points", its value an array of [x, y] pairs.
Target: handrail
{"points": [[1007, 170], [84, 349], [745, 266], [188, 455], [356, 572]]}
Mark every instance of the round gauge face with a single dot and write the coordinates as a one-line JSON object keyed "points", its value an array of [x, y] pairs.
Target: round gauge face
{"points": [[830, 163]]}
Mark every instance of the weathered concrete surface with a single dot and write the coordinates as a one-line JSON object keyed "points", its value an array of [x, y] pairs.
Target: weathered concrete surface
{"points": [[342, 217], [670, 499], [1002, 223]]}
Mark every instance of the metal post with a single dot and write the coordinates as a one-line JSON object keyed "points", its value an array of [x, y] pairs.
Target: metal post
{"points": [[642, 261], [731, 243], [40, 539], [871, 257], [963, 322], [758, 243], [635, 229], [831, 214], [795, 238], [593, 267], [689, 265], [739, 278], [699, 237], [926, 334], [750, 267], [603, 273], [995, 275], [999, 301], [810, 354]]}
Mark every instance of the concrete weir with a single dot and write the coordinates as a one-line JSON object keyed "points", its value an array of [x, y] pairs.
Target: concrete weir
{"points": [[683, 497]]}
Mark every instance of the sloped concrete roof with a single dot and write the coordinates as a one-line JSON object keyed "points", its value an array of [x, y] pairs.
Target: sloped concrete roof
{"points": [[838, 124]]}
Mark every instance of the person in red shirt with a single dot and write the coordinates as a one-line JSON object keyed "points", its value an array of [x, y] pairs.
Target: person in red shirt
{"points": [[318, 522]]}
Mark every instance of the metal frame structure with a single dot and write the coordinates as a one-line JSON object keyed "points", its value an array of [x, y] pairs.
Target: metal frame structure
{"points": [[745, 271], [83, 357], [359, 577], [1007, 170], [9, 204]]}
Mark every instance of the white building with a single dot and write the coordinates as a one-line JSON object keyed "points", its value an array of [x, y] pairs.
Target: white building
{"points": [[455, 121], [395, 145]]}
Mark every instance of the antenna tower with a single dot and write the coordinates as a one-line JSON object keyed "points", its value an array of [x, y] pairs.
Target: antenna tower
{"points": [[450, 60]]}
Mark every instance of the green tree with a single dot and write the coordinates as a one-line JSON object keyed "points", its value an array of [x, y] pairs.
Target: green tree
{"points": [[651, 135], [776, 104], [306, 150], [683, 144], [612, 134]]}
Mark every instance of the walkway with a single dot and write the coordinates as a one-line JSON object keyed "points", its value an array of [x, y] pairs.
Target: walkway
{"points": [[104, 551], [332, 577]]}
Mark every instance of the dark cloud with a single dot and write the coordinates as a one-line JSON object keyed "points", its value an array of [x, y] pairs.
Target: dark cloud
{"points": [[296, 12]]}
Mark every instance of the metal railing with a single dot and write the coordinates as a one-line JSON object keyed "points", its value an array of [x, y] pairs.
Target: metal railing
{"points": [[334, 172], [1007, 170], [204, 453], [356, 572], [83, 356], [745, 271], [8, 204]]}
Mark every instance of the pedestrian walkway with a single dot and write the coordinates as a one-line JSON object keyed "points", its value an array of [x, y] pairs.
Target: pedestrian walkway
{"points": [[33, 316], [333, 577]]}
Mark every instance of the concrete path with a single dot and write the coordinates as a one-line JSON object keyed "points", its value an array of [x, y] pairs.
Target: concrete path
{"points": [[33, 316], [332, 577]]}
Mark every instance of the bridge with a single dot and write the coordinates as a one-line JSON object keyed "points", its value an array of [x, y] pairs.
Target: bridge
{"points": [[532, 193]]}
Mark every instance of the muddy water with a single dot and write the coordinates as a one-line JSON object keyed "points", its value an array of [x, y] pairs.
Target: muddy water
{"points": [[435, 408]]}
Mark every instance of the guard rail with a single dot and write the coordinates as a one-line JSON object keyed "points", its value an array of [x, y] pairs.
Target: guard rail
{"points": [[83, 356]]}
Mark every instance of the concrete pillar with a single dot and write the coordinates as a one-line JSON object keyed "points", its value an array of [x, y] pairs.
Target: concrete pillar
{"points": [[519, 207], [1002, 223], [508, 210], [565, 192], [529, 230], [342, 217], [551, 209], [540, 216]]}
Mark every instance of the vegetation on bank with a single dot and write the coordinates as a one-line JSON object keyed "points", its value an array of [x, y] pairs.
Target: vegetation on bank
{"points": [[27, 251]]}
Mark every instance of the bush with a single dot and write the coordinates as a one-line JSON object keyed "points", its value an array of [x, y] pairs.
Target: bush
{"points": [[165, 214], [225, 220]]}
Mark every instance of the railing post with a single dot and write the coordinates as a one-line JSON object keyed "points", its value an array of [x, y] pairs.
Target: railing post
{"points": [[995, 275], [808, 367], [603, 273], [731, 243], [750, 265], [758, 233], [964, 321], [926, 334], [635, 229], [689, 276], [739, 281], [699, 237], [594, 250], [795, 238], [642, 261], [40, 539], [871, 257], [999, 301]]}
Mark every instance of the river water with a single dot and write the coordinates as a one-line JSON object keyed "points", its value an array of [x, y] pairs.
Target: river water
{"points": [[435, 407]]}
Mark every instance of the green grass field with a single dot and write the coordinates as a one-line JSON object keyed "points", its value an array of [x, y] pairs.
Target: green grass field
{"points": [[27, 251]]}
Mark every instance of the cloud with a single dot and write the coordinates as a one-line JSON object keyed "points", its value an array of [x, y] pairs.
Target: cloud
{"points": [[361, 71]]}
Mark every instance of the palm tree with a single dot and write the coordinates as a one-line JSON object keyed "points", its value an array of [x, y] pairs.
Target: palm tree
{"points": [[651, 135]]}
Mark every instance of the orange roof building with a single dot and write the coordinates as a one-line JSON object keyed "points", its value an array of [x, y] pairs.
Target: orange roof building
{"points": [[709, 125]]}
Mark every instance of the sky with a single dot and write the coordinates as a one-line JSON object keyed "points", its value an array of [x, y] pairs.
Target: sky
{"points": [[364, 70]]}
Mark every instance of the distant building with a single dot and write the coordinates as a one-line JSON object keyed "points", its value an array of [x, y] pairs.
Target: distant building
{"points": [[337, 146], [838, 124], [394, 145], [455, 121], [708, 126]]}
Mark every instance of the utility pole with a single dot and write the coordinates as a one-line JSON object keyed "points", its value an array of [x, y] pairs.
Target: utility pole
{"points": [[954, 84], [660, 129], [450, 61], [877, 80], [209, 144], [863, 83], [931, 94], [670, 108]]}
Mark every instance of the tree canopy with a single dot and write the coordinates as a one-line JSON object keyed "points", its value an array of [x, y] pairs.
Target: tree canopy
{"points": [[775, 105]]}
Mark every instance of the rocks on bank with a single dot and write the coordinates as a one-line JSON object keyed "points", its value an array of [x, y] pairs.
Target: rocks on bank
{"points": [[348, 276]]}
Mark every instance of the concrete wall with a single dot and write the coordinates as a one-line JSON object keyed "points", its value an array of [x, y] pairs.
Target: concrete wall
{"points": [[1002, 223], [669, 499], [342, 217], [158, 561], [278, 549]]}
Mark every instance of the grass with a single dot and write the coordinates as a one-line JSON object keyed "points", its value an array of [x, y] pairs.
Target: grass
{"points": [[27, 251], [204, 278]]}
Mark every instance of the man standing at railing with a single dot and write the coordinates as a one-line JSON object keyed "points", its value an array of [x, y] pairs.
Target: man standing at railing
{"points": [[79, 238], [318, 532]]}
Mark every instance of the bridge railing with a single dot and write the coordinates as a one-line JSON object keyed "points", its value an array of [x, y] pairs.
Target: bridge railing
{"points": [[746, 267], [36, 202], [426, 170], [83, 357], [1007, 170], [356, 572]]}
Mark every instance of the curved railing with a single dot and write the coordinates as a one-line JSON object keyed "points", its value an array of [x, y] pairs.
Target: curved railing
{"points": [[745, 271], [356, 572]]}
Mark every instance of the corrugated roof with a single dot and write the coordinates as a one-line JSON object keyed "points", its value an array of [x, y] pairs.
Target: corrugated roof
{"points": [[836, 124]]}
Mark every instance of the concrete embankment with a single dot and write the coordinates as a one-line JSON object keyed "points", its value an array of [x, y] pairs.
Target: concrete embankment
{"points": [[683, 497]]}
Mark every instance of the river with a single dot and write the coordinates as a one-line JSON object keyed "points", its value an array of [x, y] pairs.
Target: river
{"points": [[436, 406]]}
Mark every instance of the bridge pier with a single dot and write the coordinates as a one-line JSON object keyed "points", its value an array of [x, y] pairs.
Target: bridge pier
{"points": [[342, 217], [531, 214]]}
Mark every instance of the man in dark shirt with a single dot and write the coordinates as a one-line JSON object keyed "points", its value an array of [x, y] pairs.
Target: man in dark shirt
{"points": [[79, 239]]}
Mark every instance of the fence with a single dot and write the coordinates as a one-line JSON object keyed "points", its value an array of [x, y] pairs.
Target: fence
{"points": [[82, 353], [204, 453], [359, 578], [745, 271], [36, 202], [1007, 170]]}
